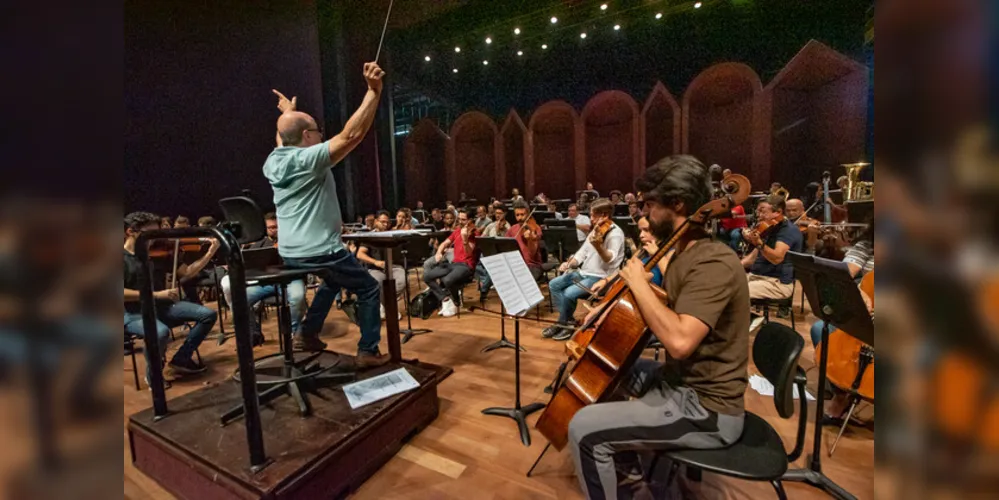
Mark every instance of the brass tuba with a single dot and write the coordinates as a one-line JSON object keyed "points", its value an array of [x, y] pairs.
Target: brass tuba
{"points": [[857, 190], [782, 192]]}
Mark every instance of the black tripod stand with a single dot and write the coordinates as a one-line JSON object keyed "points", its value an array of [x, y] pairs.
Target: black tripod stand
{"points": [[408, 333], [834, 297], [518, 413], [503, 342]]}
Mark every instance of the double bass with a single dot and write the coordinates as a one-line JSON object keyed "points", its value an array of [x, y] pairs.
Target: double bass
{"points": [[607, 346]]}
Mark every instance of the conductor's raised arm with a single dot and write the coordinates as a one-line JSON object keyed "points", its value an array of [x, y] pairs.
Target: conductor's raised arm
{"points": [[357, 126]]}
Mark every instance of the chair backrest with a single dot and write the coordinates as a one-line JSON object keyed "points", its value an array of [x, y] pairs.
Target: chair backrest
{"points": [[244, 211], [775, 353]]}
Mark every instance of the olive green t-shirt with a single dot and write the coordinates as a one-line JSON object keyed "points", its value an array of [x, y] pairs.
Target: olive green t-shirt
{"points": [[707, 281]]}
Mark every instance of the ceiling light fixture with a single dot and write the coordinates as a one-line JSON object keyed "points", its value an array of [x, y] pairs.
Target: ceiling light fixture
{"points": [[485, 62], [603, 6], [516, 31], [520, 52], [582, 35], [455, 70], [457, 49], [659, 15], [697, 5], [544, 46], [488, 40], [617, 27], [554, 19], [427, 58]]}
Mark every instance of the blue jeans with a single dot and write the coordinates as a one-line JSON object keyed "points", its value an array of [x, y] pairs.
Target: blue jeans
{"points": [[254, 294], [565, 293], [342, 270], [170, 315], [731, 238], [817, 332]]}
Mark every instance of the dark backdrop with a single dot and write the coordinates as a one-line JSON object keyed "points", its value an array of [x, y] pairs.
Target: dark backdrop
{"points": [[200, 116]]}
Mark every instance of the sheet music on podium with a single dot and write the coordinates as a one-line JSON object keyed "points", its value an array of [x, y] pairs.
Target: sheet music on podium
{"points": [[513, 281]]}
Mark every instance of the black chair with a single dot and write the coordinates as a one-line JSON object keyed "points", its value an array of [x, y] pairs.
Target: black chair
{"points": [[759, 453], [130, 350], [766, 304]]}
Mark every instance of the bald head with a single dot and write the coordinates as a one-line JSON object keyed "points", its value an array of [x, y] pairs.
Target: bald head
{"points": [[292, 127], [794, 208]]}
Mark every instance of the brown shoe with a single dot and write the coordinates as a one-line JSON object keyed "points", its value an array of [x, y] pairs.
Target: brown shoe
{"points": [[308, 343], [365, 360]]}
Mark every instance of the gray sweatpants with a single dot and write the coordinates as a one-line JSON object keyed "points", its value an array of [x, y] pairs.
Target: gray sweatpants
{"points": [[663, 417]]}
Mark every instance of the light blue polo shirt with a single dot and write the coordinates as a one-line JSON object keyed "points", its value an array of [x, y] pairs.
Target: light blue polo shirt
{"points": [[308, 210]]}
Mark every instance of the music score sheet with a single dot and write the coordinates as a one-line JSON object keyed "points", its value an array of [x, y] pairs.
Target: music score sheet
{"points": [[513, 281]]}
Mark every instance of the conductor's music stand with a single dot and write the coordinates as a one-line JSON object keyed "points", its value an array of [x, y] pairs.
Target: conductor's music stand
{"points": [[493, 246], [518, 413], [834, 297]]}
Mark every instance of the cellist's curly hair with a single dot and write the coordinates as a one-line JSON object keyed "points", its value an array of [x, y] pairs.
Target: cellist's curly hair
{"points": [[137, 220], [677, 178]]}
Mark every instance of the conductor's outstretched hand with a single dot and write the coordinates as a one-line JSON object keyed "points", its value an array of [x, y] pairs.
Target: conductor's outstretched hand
{"points": [[373, 75]]}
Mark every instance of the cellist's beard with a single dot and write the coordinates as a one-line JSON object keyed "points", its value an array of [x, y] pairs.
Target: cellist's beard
{"points": [[662, 230]]}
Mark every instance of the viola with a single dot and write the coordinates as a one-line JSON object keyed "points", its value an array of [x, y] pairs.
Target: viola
{"points": [[610, 342]]}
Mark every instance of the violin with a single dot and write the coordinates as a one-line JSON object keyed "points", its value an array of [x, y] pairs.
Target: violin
{"points": [[531, 224], [600, 230], [164, 249], [764, 226]]}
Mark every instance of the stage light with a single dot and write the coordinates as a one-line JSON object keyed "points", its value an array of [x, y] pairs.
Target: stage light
{"points": [[520, 52], [455, 70], [488, 40], [554, 19], [457, 49], [697, 5], [516, 31], [427, 58], [544, 46], [582, 35], [485, 62], [603, 6], [659, 15], [617, 27]]}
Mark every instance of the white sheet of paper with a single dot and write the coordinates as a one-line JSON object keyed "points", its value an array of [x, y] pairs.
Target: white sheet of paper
{"points": [[765, 388], [397, 232], [529, 287], [378, 388], [506, 283]]}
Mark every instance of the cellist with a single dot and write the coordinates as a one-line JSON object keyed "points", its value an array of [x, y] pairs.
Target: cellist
{"points": [[695, 398]]}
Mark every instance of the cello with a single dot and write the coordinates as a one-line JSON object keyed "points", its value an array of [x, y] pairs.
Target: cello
{"points": [[605, 347], [850, 364]]}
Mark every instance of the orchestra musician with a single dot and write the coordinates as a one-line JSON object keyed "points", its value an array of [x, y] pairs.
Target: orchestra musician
{"points": [[171, 311], [256, 293], [649, 247], [770, 275], [583, 222], [299, 171], [695, 398], [481, 218], [404, 220], [374, 259], [181, 222], [597, 258], [528, 235], [446, 277]]}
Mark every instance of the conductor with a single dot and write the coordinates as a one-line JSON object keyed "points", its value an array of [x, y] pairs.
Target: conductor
{"points": [[308, 212]]}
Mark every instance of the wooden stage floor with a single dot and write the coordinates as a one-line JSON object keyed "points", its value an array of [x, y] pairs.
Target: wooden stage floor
{"points": [[464, 454]]}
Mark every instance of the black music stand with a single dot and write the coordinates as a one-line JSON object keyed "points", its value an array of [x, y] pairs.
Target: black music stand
{"points": [[540, 216], [834, 297], [421, 250], [518, 413], [621, 210], [628, 225], [493, 246], [563, 239]]}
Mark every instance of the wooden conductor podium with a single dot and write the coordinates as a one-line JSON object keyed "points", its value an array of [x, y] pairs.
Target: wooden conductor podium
{"points": [[280, 454]]}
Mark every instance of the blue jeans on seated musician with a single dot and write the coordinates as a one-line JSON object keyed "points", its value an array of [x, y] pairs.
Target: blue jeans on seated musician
{"points": [[731, 238], [565, 292], [254, 294], [171, 315], [343, 270], [817, 331]]}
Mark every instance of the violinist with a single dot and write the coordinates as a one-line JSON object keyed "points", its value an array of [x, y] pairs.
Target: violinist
{"points": [[597, 258], [499, 226], [404, 220], [481, 218], [695, 398], [770, 276], [649, 247], [171, 311], [181, 222], [528, 235], [445, 278]]}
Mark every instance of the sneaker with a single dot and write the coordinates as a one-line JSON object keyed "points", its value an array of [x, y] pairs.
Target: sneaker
{"points": [[550, 332], [166, 384], [448, 309], [756, 324], [308, 343], [365, 360], [783, 312], [186, 366], [563, 334]]}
